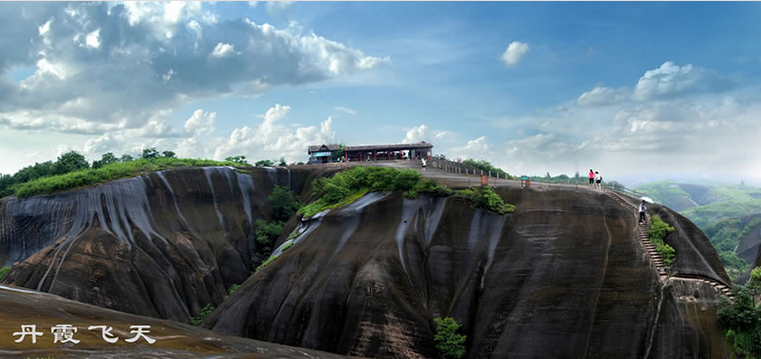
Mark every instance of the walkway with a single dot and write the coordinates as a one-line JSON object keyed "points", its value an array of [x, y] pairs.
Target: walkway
{"points": [[655, 257]]}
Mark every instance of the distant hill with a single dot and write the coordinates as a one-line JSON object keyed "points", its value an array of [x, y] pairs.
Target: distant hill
{"points": [[730, 215]]}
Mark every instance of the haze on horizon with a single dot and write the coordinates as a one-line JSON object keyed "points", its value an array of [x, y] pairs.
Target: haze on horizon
{"points": [[639, 91]]}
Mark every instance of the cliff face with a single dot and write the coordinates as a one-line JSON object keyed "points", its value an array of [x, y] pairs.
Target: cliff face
{"points": [[562, 277], [163, 244]]}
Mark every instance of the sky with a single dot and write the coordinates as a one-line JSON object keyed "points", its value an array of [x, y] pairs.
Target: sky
{"points": [[637, 91]]}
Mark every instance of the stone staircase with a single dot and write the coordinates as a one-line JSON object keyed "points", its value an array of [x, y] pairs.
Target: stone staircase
{"points": [[655, 257]]}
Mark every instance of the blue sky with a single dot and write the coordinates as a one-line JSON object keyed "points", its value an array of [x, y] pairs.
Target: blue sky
{"points": [[637, 90]]}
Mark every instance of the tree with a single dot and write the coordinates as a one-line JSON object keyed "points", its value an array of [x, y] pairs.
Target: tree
{"points": [[448, 342], [264, 163], [105, 159], [126, 158], [238, 159], [267, 233], [69, 162], [150, 153], [754, 283], [282, 162], [440, 157], [168, 154], [284, 203]]}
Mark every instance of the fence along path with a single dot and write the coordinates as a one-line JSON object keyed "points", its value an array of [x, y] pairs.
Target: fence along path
{"points": [[655, 257]]}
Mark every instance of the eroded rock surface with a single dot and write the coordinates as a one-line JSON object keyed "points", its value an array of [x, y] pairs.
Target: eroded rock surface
{"points": [[562, 277]]}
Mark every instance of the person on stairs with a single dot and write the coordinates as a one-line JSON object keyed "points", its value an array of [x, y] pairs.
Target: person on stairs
{"points": [[598, 180], [642, 210], [591, 177]]}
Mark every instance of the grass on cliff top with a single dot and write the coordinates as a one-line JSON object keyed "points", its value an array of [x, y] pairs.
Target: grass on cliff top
{"points": [[106, 173], [348, 186]]}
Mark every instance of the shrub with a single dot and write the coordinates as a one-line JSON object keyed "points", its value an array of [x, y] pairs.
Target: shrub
{"points": [[287, 246], [4, 271], [232, 289], [741, 321], [658, 232], [284, 203], [449, 343], [346, 187], [485, 197], [267, 232], [205, 312]]}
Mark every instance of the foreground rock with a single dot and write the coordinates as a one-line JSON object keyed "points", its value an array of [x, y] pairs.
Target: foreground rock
{"points": [[173, 340]]}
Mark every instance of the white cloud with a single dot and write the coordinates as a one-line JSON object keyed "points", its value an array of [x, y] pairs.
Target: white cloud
{"points": [[200, 122], [666, 82], [602, 96], [671, 79], [515, 52], [345, 110], [440, 134], [159, 54], [272, 139], [415, 134], [93, 39], [97, 146], [477, 149], [224, 50]]}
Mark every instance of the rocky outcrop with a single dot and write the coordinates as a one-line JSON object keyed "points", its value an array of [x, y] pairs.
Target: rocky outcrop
{"points": [[172, 340], [562, 276], [163, 244]]}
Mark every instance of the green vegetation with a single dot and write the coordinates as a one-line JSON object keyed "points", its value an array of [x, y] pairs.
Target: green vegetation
{"points": [[741, 321], [734, 265], [704, 216], [287, 245], [264, 264], [658, 232], [72, 170], [232, 289], [284, 203], [449, 343], [240, 160], [267, 232], [487, 167], [295, 233], [348, 186], [486, 198], [4, 271], [205, 312]]}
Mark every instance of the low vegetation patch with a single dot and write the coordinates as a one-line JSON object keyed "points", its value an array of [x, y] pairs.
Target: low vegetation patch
{"points": [[111, 171], [4, 271], [287, 245], [658, 232], [449, 343], [348, 186], [268, 261], [205, 312], [232, 289]]}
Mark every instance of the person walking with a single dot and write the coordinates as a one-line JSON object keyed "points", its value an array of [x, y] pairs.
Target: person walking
{"points": [[423, 162], [598, 180], [591, 177], [642, 210]]}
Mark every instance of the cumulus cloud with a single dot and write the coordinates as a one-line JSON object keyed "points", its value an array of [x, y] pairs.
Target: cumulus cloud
{"points": [[666, 82], [200, 122], [157, 55], [273, 139], [515, 52], [415, 134], [478, 149], [223, 50]]}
